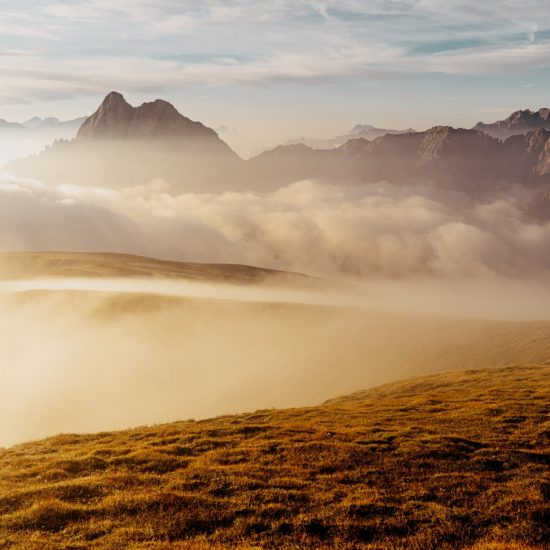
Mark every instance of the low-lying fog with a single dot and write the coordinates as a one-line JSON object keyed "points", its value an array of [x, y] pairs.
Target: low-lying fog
{"points": [[493, 298], [89, 355], [430, 280]]}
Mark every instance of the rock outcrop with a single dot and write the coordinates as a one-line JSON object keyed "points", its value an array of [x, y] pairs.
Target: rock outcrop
{"points": [[116, 119], [518, 123]]}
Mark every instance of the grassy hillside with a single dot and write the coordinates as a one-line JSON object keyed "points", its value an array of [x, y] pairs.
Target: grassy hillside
{"points": [[455, 460], [15, 265]]}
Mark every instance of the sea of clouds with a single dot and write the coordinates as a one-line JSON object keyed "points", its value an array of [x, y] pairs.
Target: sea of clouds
{"points": [[367, 230]]}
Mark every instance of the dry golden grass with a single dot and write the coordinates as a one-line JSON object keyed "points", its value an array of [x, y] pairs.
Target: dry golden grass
{"points": [[455, 460], [15, 265]]}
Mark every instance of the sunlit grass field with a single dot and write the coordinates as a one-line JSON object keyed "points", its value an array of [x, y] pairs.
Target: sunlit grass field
{"points": [[89, 264], [454, 460]]}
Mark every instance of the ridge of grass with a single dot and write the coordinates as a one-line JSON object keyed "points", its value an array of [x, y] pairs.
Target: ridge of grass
{"points": [[17, 265]]}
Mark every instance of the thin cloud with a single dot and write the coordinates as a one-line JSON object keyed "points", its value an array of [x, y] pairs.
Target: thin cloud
{"points": [[282, 41]]}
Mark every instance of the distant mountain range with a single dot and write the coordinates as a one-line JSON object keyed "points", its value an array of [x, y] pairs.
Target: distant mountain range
{"points": [[37, 125], [465, 159], [365, 131], [30, 137], [122, 145], [518, 123]]}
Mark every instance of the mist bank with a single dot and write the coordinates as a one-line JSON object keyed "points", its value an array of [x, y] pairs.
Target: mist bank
{"points": [[525, 300], [358, 231], [92, 358]]}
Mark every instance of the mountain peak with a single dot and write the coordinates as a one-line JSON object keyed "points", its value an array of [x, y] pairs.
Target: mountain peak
{"points": [[159, 107], [116, 119], [358, 128], [521, 113], [38, 123], [114, 98], [109, 121]]}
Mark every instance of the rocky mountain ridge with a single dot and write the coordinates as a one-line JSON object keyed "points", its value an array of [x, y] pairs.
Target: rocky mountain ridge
{"points": [[518, 123], [448, 156], [124, 145]]}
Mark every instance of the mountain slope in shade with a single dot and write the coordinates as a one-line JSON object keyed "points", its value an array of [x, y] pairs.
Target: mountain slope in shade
{"points": [[467, 160], [519, 122], [455, 460], [442, 153], [529, 153]]}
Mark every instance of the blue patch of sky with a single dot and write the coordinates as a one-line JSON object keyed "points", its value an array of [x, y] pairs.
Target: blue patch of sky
{"points": [[447, 45], [457, 44]]}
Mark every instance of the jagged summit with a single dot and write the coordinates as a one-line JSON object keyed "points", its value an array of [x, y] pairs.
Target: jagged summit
{"points": [[113, 98], [519, 122], [111, 119], [116, 119]]}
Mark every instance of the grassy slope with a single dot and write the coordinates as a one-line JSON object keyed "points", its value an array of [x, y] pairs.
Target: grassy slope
{"points": [[447, 461], [90, 264]]}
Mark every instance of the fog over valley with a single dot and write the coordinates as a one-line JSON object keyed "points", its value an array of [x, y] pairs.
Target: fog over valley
{"points": [[83, 356]]}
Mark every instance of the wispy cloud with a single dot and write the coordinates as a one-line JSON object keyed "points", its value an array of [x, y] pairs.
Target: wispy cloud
{"points": [[82, 46]]}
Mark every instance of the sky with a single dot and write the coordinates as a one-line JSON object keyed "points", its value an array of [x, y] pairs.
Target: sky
{"points": [[273, 70]]}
